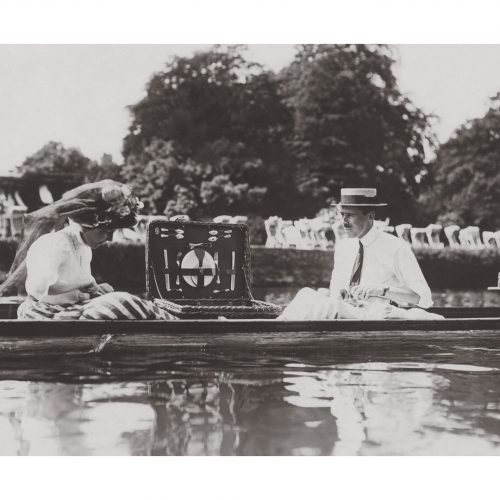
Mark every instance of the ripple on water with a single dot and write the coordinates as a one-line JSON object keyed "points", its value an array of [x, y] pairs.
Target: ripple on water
{"points": [[412, 366]]}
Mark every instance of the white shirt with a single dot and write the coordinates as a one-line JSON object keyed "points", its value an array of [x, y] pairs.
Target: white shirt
{"points": [[60, 260], [387, 261]]}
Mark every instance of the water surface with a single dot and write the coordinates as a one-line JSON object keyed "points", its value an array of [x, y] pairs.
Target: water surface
{"points": [[385, 400]]}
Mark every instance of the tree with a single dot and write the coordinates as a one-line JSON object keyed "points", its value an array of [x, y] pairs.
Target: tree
{"points": [[54, 161], [464, 183], [61, 169], [171, 184], [105, 169], [353, 127], [212, 126]]}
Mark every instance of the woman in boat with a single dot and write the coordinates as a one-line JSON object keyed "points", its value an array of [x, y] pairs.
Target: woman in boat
{"points": [[52, 264]]}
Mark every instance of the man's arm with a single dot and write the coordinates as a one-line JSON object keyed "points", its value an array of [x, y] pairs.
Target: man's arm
{"points": [[337, 280], [410, 275], [397, 294]]}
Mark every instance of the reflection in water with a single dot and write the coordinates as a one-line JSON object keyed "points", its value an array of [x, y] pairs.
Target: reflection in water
{"points": [[233, 404], [398, 408], [159, 418]]}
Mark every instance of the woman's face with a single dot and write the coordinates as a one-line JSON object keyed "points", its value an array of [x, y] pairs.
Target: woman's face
{"points": [[97, 237]]}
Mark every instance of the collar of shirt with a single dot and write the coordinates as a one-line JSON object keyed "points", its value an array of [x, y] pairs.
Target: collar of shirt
{"points": [[369, 237], [76, 230]]}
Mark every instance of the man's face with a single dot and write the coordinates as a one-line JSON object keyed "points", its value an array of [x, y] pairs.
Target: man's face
{"points": [[356, 222]]}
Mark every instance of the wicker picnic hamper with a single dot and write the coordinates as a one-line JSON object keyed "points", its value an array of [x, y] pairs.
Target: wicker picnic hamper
{"points": [[202, 270]]}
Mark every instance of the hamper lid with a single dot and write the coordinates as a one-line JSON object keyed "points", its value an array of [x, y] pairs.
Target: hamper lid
{"points": [[197, 260]]}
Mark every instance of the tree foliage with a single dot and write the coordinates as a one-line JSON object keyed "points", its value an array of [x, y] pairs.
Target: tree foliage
{"points": [[353, 127], [248, 140], [64, 168], [106, 168], [464, 187], [171, 184], [216, 133], [54, 161], [209, 137]]}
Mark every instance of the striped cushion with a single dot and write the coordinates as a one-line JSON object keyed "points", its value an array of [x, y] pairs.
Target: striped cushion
{"points": [[111, 306], [122, 305]]}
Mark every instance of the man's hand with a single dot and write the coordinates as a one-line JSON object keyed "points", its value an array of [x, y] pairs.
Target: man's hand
{"points": [[363, 292]]}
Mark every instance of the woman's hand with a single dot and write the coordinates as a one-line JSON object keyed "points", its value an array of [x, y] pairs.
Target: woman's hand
{"points": [[105, 288], [91, 290], [83, 296], [95, 290]]}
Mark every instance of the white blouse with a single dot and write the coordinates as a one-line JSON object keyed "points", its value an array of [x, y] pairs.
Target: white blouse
{"points": [[58, 265]]}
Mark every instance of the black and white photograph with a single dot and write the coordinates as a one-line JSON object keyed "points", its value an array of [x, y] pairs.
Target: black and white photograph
{"points": [[250, 249]]}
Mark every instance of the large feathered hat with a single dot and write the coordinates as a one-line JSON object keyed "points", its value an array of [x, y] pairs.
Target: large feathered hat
{"points": [[109, 203]]}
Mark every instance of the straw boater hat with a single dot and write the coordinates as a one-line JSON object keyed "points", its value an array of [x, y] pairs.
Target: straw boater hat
{"points": [[359, 197]]}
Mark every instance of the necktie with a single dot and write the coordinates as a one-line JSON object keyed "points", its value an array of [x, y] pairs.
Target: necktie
{"points": [[358, 265]]}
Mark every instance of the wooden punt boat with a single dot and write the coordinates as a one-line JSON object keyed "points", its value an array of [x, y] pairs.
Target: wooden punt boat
{"points": [[229, 276], [460, 325]]}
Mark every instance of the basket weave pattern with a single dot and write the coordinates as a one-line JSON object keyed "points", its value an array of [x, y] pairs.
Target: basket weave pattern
{"points": [[210, 309]]}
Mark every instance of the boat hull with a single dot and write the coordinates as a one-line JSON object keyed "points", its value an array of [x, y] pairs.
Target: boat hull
{"points": [[112, 337], [93, 337]]}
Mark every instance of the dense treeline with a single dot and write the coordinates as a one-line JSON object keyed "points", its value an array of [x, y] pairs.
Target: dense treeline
{"points": [[209, 138], [464, 180], [353, 127], [217, 133]]}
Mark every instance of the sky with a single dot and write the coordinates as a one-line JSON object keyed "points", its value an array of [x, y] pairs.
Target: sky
{"points": [[78, 94]]}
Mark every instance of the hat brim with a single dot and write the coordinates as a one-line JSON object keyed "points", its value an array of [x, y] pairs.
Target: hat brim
{"points": [[374, 205]]}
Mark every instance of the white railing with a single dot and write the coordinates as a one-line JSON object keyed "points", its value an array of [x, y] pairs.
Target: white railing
{"points": [[312, 233], [307, 234], [12, 210], [304, 233]]}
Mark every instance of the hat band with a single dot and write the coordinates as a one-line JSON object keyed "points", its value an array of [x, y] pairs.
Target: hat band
{"points": [[353, 199]]}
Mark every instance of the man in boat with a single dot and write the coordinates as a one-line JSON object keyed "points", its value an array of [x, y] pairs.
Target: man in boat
{"points": [[373, 271], [370, 263], [52, 263]]}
